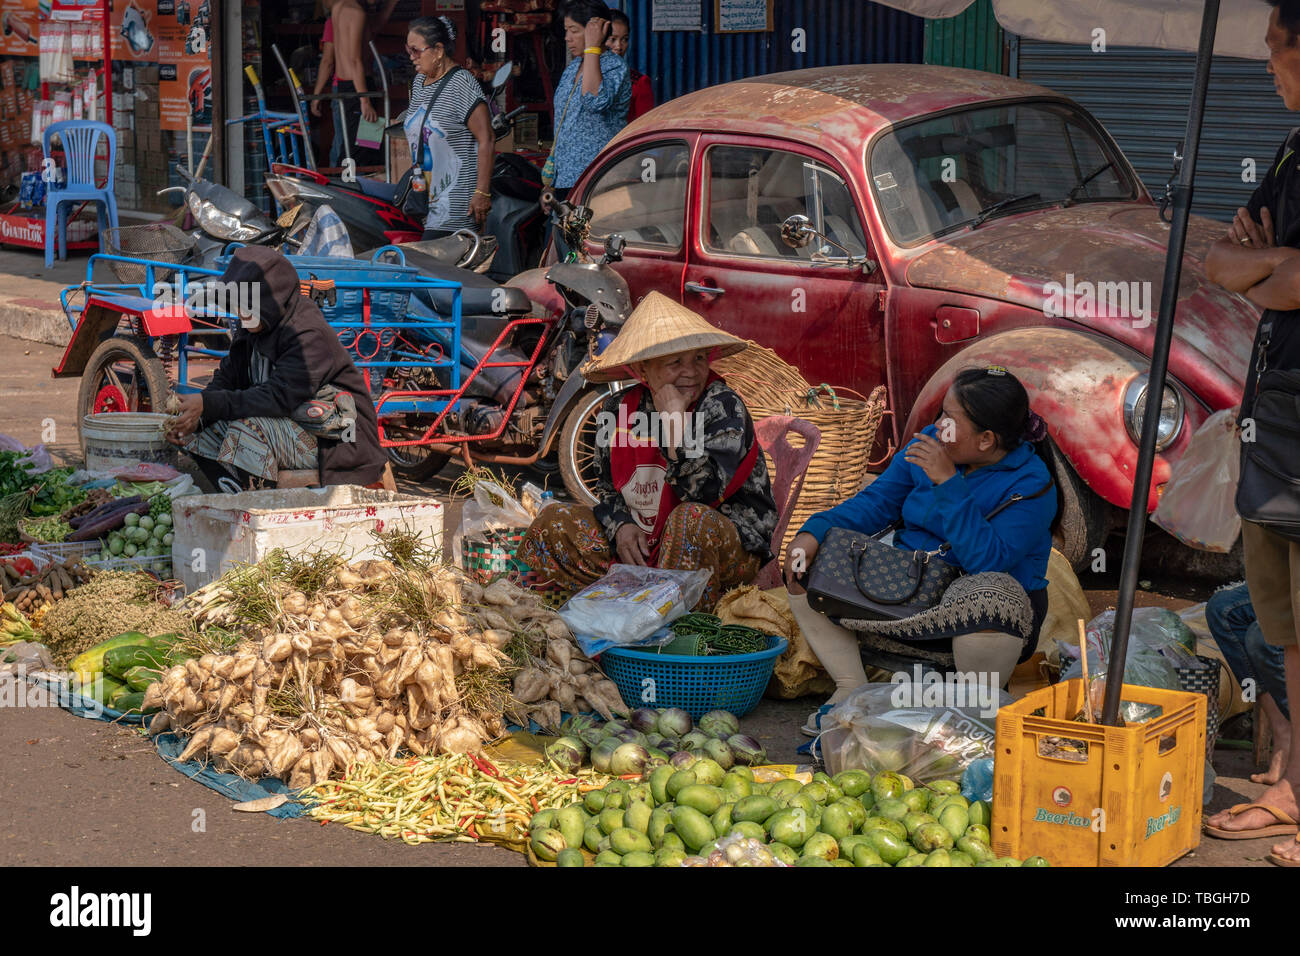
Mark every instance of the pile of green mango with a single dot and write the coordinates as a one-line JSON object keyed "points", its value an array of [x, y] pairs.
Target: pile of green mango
{"points": [[675, 816]]}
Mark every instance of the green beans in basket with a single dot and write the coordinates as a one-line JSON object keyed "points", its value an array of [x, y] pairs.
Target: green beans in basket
{"points": [[737, 639]]}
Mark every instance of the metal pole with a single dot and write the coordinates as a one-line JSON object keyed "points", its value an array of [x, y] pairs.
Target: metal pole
{"points": [[1181, 194]]}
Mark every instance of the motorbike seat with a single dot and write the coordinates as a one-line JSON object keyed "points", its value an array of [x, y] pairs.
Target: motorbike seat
{"points": [[479, 295], [377, 189]]}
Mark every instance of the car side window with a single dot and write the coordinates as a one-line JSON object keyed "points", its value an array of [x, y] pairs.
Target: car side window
{"points": [[752, 191], [642, 196]]}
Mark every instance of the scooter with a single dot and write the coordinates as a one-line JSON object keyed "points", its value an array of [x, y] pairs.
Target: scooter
{"points": [[508, 424], [373, 213]]}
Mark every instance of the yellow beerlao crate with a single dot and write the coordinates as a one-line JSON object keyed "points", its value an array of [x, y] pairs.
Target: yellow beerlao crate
{"points": [[1084, 794]]}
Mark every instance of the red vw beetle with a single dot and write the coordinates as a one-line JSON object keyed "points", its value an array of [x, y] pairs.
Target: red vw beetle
{"points": [[897, 223]]}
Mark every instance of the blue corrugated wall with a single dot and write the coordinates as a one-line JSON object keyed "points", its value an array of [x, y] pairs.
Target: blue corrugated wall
{"points": [[835, 32]]}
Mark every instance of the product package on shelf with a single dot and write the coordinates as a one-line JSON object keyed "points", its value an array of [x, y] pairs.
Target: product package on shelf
{"points": [[56, 52]]}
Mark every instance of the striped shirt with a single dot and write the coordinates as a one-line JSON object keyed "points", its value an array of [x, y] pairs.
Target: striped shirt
{"points": [[457, 99]]}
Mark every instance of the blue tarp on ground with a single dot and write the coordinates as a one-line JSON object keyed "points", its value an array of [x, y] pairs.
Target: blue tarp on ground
{"points": [[169, 747], [227, 784]]}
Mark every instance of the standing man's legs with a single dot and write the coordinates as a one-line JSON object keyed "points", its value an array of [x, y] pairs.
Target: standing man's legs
{"points": [[1273, 574]]}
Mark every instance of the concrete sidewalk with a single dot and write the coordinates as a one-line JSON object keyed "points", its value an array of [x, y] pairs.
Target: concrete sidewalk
{"points": [[29, 294]]}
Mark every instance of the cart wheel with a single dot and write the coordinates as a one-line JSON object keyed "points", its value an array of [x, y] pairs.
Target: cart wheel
{"points": [[417, 462], [122, 375], [579, 464]]}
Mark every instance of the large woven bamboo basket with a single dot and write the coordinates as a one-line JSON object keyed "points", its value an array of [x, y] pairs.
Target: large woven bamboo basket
{"points": [[848, 423]]}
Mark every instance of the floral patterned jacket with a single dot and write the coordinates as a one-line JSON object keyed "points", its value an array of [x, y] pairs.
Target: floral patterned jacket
{"points": [[728, 435]]}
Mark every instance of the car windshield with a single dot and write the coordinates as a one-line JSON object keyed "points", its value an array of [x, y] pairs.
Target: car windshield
{"points": [[940, 173]]}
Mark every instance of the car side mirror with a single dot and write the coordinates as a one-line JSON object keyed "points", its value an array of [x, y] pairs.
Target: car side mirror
{"points": [[797, 231], [614, 246]]}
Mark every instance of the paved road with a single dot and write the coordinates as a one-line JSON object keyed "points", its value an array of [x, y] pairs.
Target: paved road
{"points": [[77, 791]]}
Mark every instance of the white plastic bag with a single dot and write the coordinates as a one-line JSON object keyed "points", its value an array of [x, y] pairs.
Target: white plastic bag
{"points": [[630, 603], [889, 727], [1198, 505]]}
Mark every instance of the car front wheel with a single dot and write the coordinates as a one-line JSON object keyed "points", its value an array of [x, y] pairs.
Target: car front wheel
{"points": [[1082, 517]]}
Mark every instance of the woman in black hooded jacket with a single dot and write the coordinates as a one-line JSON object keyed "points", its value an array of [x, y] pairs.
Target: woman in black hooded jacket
{"points": [[255, 414]]}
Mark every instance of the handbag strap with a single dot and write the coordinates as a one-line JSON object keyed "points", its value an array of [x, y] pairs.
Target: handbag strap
{"points": [[947, 545], [577, 82]]}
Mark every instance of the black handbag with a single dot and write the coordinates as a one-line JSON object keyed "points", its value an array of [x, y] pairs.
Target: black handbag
{"points": [[857, 576], [1268, 491]]}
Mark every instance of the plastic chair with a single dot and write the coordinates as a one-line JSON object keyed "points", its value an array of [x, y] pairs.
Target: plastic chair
{"points": [[80, 139], [791, 466]]}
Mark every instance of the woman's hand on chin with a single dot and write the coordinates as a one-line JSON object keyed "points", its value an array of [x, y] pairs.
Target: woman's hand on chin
{"points": [[931, 457]]}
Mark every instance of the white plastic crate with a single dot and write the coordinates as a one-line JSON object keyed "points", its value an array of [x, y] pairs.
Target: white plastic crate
{"points": [[161, 566], [213, 533]]}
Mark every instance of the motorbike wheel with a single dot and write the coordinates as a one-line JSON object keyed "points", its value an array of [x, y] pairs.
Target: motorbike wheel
{"points": [[579, 465], [122, 375], [416, 462], [1081, 524]]}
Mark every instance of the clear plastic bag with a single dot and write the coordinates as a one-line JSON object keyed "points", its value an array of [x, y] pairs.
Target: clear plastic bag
{"points": [[631, 603], [1198, 505], [870, 731], [1159, 643], [492, 508]]}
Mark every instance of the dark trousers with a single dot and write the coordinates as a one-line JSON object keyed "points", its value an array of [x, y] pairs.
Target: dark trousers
{"points": [[347, 114]]}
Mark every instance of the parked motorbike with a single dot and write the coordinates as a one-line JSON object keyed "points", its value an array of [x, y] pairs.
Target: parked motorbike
{"points": [[527, 422], [373, 210]]}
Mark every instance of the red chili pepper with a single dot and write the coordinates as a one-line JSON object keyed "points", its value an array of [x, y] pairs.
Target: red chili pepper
{"points": [[472, 832], [323, 822], [565, 783], [536, 808], [491, 767]]}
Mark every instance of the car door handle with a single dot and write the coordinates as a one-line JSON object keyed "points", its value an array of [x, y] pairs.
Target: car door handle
{"points": [[702, 289]]}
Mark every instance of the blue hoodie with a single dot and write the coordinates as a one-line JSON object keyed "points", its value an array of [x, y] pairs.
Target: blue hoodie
{"points": [[1017, 541]]}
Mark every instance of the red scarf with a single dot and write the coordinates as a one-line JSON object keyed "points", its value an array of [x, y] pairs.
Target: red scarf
{"points": [[639, 470]]}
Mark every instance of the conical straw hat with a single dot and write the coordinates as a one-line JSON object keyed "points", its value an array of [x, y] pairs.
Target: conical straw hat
{"points": [[658, 326]]}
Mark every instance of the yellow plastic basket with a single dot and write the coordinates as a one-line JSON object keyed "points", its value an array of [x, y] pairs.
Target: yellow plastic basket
{"points": [[1090, 795]]}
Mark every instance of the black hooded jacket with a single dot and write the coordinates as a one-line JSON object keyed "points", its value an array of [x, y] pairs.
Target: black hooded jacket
{"points": [[305, 354]]}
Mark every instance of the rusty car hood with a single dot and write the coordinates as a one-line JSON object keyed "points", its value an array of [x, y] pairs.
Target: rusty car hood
{"points": [[1016, 258]]}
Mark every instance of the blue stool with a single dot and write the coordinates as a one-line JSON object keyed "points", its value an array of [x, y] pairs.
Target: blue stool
{"points": [[80, 139]]}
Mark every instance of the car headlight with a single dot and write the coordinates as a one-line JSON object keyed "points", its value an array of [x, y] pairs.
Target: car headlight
{"points": [[220, 224], [1171, 412]]}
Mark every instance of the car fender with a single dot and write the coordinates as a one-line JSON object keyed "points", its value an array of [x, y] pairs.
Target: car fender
{"points": [[1076, 383]]}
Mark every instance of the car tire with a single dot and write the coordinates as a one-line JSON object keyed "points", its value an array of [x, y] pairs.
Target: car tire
{"points": [[1082, 517], [578, 462]]}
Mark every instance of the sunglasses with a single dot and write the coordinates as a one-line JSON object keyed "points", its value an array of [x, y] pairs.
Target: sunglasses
{"points": [[412, 52]]}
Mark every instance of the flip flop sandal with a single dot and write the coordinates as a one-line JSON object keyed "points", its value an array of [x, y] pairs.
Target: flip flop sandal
{"points": [[1284, 827], [1281, 860], [813, 726]]}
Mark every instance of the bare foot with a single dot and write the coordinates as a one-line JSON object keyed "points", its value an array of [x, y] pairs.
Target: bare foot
{"points": [[1281, 795], [1277, 762], [1288, 850]]}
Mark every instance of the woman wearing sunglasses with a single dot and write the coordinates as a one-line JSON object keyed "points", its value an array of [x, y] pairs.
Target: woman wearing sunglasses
{"points": [[449, 130]]}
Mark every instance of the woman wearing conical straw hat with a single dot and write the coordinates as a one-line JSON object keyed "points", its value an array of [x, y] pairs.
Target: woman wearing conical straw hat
{"points": [[683, 482]]}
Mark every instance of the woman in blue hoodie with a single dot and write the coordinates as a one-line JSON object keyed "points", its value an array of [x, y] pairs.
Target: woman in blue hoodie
{"points": [[941, 485]]}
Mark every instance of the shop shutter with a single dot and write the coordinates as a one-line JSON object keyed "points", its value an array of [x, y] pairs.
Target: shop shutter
{"points": [[1141, 96]]}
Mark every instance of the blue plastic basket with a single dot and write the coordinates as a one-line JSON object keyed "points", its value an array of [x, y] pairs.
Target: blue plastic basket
{"points": [[733, 682]]}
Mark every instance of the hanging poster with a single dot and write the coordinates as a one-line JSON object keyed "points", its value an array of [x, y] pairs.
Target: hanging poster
{"points": [[133, 30], [677, 15], [19, 28], [742, 16], [185, 68]]}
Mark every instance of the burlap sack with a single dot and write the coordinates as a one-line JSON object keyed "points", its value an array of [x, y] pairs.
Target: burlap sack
{"points": [[798, 672], [1066, 605]]}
